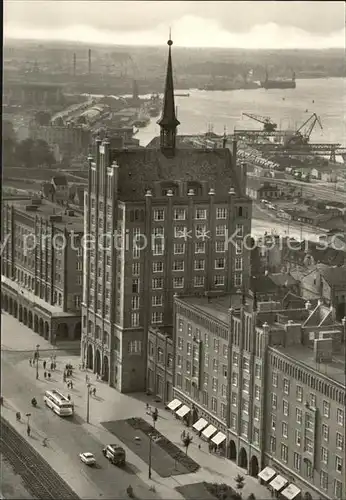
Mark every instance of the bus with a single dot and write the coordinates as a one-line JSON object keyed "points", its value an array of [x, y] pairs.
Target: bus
{"points": [[58, 402]]}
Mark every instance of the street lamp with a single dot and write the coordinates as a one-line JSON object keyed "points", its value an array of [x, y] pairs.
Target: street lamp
{"points": [[150, 450], [88, 402], [28, 415], [37, 356]]}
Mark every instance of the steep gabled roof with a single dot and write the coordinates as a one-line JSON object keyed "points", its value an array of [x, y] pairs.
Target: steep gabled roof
{"points": [[334, 276], [140, 169]]}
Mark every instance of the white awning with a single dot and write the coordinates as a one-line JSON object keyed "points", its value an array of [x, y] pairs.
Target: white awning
{"points": [[267, 474], [278, 483], [291, 491], [184, 410], [209, 431], [218, 438], [173, 405], [200, 424]]}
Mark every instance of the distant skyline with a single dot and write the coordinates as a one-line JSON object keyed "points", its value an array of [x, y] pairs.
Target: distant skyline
{"points": [[252, 25]]}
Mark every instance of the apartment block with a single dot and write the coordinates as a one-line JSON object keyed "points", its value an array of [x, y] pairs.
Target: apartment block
{"points": [[41, 267], [267, 387]]}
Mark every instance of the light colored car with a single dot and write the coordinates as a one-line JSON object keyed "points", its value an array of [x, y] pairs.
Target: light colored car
{"points": [[87, 458]]}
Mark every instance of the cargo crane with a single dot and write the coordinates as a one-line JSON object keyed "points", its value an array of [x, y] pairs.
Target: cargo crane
{"points": [[302, 135], [268, 124]]}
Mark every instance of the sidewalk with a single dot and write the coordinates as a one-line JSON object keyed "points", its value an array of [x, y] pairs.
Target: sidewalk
{"points": [[108, 404]]}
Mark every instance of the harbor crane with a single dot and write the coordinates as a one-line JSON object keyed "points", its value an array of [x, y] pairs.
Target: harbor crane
{"points": [[302, 135], [268, 124]]}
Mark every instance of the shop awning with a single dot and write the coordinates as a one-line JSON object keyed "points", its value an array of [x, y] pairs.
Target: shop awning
{"points": [[290, 492], [267, 474], [173, 405], [184, 410], [200, 424], [209, 431], [278, 483], [218, 438]]}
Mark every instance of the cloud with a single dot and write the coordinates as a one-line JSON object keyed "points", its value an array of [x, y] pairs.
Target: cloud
{"points": [[195, 24]]}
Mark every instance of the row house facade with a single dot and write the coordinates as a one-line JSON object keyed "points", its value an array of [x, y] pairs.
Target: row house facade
{"points": [[270, 385], [41, 267]]}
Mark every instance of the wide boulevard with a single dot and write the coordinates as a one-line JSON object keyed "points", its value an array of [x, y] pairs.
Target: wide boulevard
{"points": [[66, 437]]}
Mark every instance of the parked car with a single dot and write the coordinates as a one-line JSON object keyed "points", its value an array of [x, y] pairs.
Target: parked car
{"points": [[115, 454]]}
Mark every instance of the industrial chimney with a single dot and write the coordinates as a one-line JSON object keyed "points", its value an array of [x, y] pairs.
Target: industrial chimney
{"points": [[89, 61]]}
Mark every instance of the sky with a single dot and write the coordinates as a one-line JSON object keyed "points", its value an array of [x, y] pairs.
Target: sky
{"points": [[229, 24]]}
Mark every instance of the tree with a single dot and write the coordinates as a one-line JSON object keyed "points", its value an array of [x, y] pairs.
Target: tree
{"points": [[43, 154], [30, 153], [42, 118], [187, 440], [239, 482], [8, 143]]}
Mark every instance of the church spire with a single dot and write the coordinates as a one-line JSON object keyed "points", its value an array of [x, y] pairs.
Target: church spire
{"points": [[168, 121]]}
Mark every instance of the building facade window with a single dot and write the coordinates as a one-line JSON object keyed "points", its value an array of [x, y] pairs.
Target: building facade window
{"points": [[284, 453]]}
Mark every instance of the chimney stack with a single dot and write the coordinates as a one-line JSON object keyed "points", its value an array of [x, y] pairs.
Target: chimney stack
{"points": [[89, 61]]}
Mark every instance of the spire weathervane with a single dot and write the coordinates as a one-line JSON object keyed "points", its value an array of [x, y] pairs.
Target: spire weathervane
{"points": [[168, 121]]}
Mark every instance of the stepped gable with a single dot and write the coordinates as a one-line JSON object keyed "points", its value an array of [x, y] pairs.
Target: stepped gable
{"points": [[140, 169]]}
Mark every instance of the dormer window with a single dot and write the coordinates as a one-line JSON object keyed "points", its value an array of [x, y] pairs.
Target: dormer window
{"points": [[196, 187], [170, 188]]}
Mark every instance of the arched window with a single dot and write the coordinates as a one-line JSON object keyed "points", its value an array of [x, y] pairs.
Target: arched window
{"points": [[97, 332], [90, 326]]}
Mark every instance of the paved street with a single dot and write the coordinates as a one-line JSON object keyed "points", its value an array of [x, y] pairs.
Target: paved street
{"points": [[68, 438]]}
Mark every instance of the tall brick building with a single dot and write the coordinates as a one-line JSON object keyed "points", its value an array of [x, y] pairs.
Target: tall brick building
{"points": [[41, 267], [267, 386], [167, 210]]}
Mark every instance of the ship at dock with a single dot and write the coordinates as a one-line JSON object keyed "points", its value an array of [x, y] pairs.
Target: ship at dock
{"points": [[279, 83], [154, 105]]}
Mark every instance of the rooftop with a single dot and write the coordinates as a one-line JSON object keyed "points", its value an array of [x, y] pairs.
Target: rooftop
{"points": [[335, 369], [140, 169], [334, 275], [46, 209], [216, 307]]}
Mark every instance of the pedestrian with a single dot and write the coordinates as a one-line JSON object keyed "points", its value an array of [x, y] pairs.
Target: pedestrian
{"points": [[94, 391], [83, 366], [86, 378], [71, 385], [69, 397], [64, 377], [49, 376], [51, 366], [45, 374], [30, 361], [199, 446], [54, 365], [44, 364], [28, 430]]}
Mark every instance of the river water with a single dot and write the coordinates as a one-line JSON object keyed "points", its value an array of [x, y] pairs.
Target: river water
{"points": [[289, 108]]}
